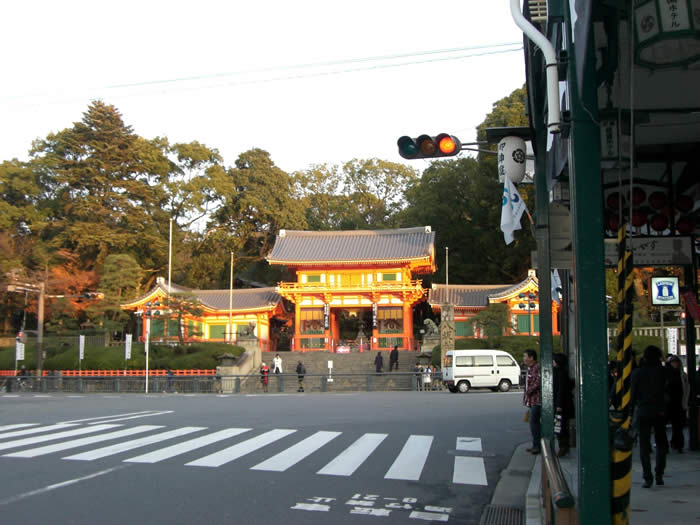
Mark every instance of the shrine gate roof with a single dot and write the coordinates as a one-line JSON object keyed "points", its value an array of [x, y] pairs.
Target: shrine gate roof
{"points": [[465, 294], [294, 247]]}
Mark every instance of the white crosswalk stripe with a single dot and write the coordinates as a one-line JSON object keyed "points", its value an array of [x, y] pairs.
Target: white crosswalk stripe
{"points": [[294, 454], [241, 449], [50, 437], [75, 443], [409, 464], [135, 443], [468, 468], [353, 456], [186, 446], [35, 430]]}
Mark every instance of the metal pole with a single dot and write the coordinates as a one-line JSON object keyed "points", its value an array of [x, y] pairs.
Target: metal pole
{"points": [[170, 267], [230, 304], [40, 330], [148, 335]]}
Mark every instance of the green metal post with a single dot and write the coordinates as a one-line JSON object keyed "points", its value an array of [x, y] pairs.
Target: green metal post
{"points": [[544, 279], [589, 291]]}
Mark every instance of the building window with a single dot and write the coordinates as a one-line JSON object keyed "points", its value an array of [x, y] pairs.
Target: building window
{"points": [[313, 278], [524, 324], [311, 321], [217, 331], [389, 277], [464, 329]]}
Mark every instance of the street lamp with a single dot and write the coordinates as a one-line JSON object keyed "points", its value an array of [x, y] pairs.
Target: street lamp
{"points": [[530, 305]]}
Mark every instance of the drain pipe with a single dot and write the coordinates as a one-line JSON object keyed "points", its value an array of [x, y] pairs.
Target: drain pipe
{"points": [[553, 113]]}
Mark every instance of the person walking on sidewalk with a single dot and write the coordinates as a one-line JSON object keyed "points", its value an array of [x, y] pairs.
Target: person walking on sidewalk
{"points": [[532, 398], [379, 363], [677, 406], [394, 359], [647, 399]]}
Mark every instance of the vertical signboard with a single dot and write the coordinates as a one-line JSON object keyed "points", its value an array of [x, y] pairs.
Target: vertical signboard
{"points": [[672, 340], [19, 351], [81, 347], [326, 315], [127, 347], [374, 315]]}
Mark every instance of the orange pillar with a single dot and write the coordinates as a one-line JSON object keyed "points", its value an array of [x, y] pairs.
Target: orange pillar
{"points": [[407, 325], [297, 327]]}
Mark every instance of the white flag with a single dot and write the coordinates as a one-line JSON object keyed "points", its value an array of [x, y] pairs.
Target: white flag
{"points": [[513, 208], [556, 286]]}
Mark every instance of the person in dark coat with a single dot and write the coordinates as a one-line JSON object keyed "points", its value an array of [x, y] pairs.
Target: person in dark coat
{"points": [[677, 405], [379, 363], [649, 388], [394, 359], [563, 400], [532, 398], [301, 371]]}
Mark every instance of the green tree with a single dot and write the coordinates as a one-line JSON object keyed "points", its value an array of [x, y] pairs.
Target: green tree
{"points": [[183, 305], [493, 320]]}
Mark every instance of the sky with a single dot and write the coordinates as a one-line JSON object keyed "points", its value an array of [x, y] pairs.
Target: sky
{"points": [[311, 82]]}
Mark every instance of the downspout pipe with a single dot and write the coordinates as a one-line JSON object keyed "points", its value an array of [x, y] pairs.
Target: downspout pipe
{"points": [[550, 56]]}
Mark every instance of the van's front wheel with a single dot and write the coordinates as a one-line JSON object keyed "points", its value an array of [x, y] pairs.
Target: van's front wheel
{"points": [[504, 385], [463, 387]]}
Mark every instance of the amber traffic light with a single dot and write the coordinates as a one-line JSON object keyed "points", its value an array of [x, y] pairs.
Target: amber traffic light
{"points": [[427, 147]]}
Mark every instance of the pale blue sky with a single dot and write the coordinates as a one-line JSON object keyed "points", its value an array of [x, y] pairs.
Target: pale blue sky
{"points": [[224, 73]]}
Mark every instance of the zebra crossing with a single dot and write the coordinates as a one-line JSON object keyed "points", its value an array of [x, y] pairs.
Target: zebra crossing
{"points": [[28, 440]]}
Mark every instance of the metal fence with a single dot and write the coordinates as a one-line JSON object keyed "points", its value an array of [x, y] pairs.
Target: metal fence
{"points": [[238, 384]]}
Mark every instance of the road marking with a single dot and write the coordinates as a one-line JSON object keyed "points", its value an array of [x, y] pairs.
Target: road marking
{"points": [[241, 449], [108, 417], [410, 461], [353, 456], [55, 486], [294, 454], [429, 516], [11, 395], [48, 449], [134, 443], [469, 471], [134, 417], [311, 506], [18, 425], [186, 446], [42, 395], [38, 430], [469, 444], [40, 439]]}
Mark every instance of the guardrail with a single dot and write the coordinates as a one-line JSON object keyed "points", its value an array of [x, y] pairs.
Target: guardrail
{"points": [[558, 501], [233, 384]]}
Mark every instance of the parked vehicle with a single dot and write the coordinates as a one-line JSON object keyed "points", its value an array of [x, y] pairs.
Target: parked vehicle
{"points": [[466, 369]]}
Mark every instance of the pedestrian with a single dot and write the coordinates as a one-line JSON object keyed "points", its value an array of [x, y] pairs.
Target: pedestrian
{"points": [[394, 358], [427, 379], [301, 371], [379, 363], [169, 373], [418, 371], [677, 406], [532, 398], [647, 399], [563, 401], [277, 364], [264, 376]]}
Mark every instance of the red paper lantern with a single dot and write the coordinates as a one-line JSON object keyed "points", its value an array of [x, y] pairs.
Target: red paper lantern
{"points": [[685, 225], [638, 219], [638, 196], [657, 200], [684, 203], [659, 222], [613, 200]]}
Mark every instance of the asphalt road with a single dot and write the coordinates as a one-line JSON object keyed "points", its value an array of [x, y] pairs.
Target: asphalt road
{"points": [[397, 457]]}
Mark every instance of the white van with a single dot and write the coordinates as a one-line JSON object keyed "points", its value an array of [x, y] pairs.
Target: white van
{"points": [[465, 369]]}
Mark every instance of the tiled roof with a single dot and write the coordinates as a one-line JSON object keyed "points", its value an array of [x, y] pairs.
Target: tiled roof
{"points": [[358, 246], [465, 294], [242, 299]]}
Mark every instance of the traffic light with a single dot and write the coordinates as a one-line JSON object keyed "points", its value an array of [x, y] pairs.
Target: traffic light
{"points": [[427, 147], [94, 295]]}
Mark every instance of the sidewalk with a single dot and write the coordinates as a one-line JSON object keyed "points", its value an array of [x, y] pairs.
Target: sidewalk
{"points": [[675, 503]]}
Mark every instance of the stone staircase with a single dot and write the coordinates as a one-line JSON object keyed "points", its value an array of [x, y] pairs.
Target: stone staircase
{"points": [[351, 372]]}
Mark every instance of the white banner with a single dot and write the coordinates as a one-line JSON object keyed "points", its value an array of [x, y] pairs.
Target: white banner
{"points": [[512, 210], [127, 347], [672, 338], [81, 346], [19, 351]]}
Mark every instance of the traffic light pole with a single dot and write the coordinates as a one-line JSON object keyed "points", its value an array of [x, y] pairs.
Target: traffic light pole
{"points": [[40, 330]]}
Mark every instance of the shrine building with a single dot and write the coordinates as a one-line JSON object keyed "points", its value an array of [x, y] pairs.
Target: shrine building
{"points": [[354, 285]]}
